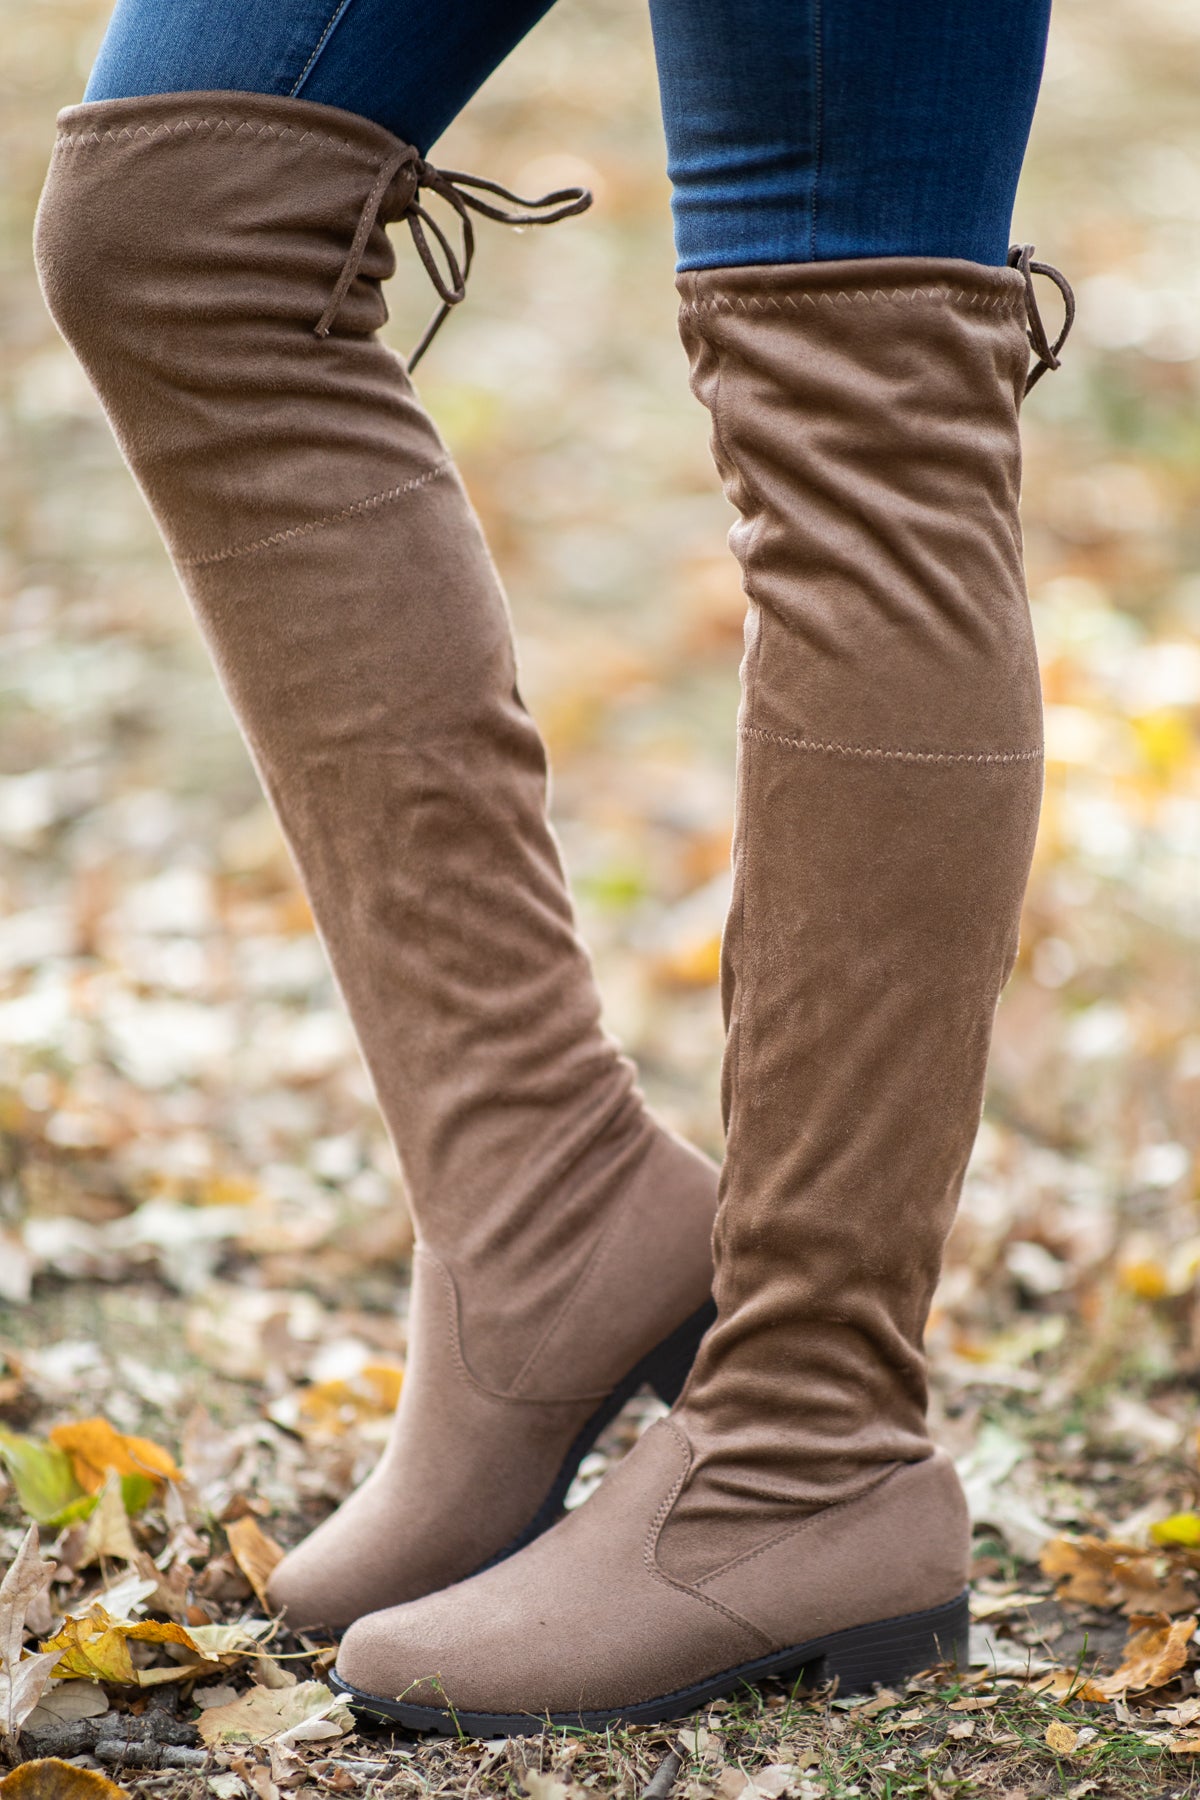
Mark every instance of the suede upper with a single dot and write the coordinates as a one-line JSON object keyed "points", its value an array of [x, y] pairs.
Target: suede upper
{"points": [[189, 245]]}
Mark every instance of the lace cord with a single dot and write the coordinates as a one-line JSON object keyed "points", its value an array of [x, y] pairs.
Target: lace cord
{"points": [[1021, 257], [464, 194]]}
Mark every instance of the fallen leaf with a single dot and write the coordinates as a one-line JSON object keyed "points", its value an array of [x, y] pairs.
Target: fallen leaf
{"points": [[65, 1701], [269, 1673], [1157, 1650], [331, 1408], [44, 1479], [1186, 1713], [1069, 1684], [22, 1679], [544, 1787], [97, 1449], [773, 1781], [1092, 1572], [108, 1537], [97, 1647], [1061, 1738], [51, 1779], [255, 1554], [220, 1641], [1180, 1528], [732, 1783], [274, 1713]]}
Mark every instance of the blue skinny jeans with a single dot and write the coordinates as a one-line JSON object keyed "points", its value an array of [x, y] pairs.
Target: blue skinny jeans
{"points": [[797, 130]]}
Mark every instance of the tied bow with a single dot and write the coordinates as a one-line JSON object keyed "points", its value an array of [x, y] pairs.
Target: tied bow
{"points": [[411, 176], [1021, 257]]}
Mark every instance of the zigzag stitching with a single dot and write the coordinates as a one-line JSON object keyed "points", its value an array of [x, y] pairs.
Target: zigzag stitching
{"points": [[865, 750], [853, 296], [303, 140], [357, 507]]}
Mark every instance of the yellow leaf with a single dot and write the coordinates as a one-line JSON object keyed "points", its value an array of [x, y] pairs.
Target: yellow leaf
{"points": [[1144, 1277], [331, 1408], [96, 1648], [96, 1448], [50, 1779], [1156, 1651], [255, 1554], [1180, 1528], [1061, 1738]]}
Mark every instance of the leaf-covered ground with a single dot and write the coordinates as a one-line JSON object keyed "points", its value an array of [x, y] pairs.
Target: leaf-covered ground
{"points": [[203, 1243]]}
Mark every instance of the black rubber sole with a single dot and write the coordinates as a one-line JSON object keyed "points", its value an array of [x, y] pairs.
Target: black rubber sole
{"points": [[864, 1657], [665, 1369]]}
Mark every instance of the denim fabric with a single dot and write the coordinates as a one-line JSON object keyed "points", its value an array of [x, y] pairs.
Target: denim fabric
{"points": [[797, 130]]}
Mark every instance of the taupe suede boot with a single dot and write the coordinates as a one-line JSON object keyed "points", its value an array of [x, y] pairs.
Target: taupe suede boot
{"points": [[792, 1511], [216, 260]]}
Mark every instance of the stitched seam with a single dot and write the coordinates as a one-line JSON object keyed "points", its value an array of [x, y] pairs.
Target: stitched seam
{"points": [[650, 1550], [320, 44], [302, 140], [870, 751], [601, 1253], [453, 1310], [1007, 303], [358, 507], [820, 1512]]}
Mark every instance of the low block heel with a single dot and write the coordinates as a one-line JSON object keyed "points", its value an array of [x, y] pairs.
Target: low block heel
{"points": [[669, 1366], [888, 1652]]}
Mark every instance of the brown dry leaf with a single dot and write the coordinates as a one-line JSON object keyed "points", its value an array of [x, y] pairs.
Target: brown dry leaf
{"points": [[1186, 1713], [549, 1787], [773, 1781], [732, 1783], [50, 1779], [107, 1536], [22, 1679], [1091, 1572], [1061, 1737], [307, 1711], [1068, 1684], [1157, 1650], [255, 1554], [97, 1449], [96, 1647], [65, 1701], [1083, 1569], [1185, 1746]]}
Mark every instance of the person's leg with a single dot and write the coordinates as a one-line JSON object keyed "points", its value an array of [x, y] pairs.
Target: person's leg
{"points": [[872, 129], [215, 258], [410, 68], [792, 1510]]}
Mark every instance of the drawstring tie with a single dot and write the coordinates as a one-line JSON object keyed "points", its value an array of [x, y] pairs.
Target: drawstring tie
{"points": [[407, 169], [1021, 257]]}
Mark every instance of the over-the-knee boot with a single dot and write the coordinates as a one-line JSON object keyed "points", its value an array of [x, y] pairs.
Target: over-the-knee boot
{"points": [[216, 260], [792, 1510]]}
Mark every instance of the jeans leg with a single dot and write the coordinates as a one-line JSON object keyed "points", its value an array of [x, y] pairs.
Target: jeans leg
{"points": [[850, 128], [409, 67]]}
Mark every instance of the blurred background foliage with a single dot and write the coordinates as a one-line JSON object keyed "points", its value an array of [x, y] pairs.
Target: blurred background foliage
{"points": [[192, 1161]]}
